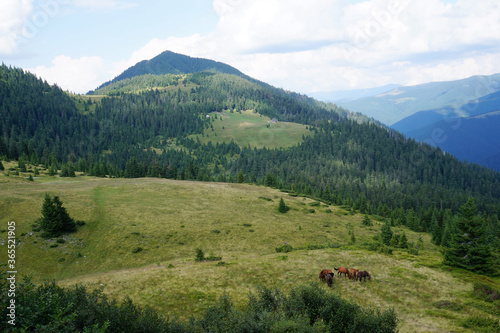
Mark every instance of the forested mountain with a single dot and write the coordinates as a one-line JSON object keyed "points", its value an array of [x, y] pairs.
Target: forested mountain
{"points": [[142, 130], [173, 63]]}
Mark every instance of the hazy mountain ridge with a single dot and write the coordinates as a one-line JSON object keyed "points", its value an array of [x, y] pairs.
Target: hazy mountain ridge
{"points": [[402, 102], [473, 138]]}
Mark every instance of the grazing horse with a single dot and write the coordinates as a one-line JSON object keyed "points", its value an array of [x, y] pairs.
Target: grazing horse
{"points": [[342, 270], [329, 279], [324, 273], [354, 272], [363, 274]]}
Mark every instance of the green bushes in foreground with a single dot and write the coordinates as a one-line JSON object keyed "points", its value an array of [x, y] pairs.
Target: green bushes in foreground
{"points": [[310, 308]]}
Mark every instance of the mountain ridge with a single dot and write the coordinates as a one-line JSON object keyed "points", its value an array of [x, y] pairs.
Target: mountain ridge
{"points": [[169, 62], [402, 102], [473, 138]]}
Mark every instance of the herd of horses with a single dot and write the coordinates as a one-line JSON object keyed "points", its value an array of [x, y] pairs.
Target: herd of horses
{"points": [[327, 274]]}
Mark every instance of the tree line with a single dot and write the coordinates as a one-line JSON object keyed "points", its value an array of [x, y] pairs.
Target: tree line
{"points": [[144, 132]]}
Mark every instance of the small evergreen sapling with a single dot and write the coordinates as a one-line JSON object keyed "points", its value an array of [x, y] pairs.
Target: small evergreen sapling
{"points": [[283, 208]]}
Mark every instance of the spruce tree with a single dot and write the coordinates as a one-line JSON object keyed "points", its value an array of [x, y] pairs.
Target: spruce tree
{"points": [[386, 233], [283, 208], [367, 221], [403, 241], [468, 248], [241, 177], [394, 240], [55, 219]]}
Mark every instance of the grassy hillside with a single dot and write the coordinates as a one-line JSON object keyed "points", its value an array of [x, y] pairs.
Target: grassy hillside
{"points": [[250, 128], [170, 219]]}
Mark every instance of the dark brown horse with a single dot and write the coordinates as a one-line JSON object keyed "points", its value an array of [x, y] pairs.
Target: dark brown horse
{"points": [[329, 279], [363, 274], [342, 270], [324, 273]]}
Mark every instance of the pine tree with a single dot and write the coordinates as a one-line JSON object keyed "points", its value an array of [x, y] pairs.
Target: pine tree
{"points": [[241, 177], [394, 240], [283, 208], [21, 165], [50, 223], [436, 230], [55, 219], [403, 241], [386, 233], [468, 248], [366, 221]]}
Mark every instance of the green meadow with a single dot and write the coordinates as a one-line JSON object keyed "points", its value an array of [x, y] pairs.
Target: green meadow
{"points": [[250, 128], [141, 236]]}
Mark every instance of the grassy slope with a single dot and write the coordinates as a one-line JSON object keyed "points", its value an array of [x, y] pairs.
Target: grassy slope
{"points": [[249, 128], [170, 219]]}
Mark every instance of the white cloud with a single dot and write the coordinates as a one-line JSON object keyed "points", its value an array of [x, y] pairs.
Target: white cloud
{"points": [[76, 75], [13, 17], [328, 45], [101, 5]]}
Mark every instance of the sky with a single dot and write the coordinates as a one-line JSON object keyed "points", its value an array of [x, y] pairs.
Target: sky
{"points": [[304, 46]]}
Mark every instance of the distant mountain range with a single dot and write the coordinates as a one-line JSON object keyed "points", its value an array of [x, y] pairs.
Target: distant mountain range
{"points": [[461, 117], [396, 104], [343, 96], [475, 138]]}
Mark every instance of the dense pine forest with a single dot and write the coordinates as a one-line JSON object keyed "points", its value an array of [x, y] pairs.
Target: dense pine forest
{"points": [[143, 126]]}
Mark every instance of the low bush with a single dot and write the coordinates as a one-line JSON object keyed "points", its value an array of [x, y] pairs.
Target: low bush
{"points": [[310, 308], [285, 248], [137, 249], [481, 324]]}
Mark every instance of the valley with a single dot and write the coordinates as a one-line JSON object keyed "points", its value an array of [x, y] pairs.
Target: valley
{"points": [[176, 180], [170, 219]]}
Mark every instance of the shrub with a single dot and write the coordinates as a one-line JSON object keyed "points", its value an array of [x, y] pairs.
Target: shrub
{"points": [[60, 240], [137, 249], [481, 324], [285, 248], [50, 308], [200, 255], [485, 292]]}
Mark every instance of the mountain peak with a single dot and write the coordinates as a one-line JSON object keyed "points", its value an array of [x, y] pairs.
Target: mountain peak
{"points": [[169, 62]]}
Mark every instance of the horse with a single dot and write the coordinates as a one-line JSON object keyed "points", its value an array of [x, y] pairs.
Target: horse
{"points": [[354, 272], [363, 274], [342, 270], [329, 279], [324, 273]]}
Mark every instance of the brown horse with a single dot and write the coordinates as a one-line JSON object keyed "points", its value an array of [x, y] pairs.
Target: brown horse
{"points": [[329, 279], [342, 270], [363, 274], [324, 273], [354, 272]]}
